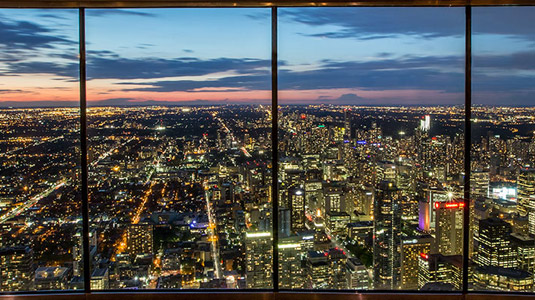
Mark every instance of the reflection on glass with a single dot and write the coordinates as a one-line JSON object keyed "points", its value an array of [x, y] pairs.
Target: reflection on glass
{"points": [[179, 148], [371, 148], [502, 250], [40, 211]]}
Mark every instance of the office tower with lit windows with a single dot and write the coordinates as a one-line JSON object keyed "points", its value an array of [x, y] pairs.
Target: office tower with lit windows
{"points": [[449, 227], [317, 270], [139, 239], [334, 198], [524, 248], [526, 188], [411, 248], [100, 279], [291, 252], [494, 244], [326, 269], [16, 268], [387, 236], [338, 268], [479, 183], [358, 277], [297, 208], [438, 268], [258, 259]]}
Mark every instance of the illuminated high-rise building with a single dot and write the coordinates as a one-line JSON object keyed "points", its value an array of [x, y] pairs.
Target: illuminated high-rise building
{"points": [[139, 239], [317, 270], [291, 252], [16, 271], [297, 208], [524, 248], [526, 188], [411, 247], [258, 259], [494, 244], [387, 236], [326, 269], [358, 277], [100, 279], [440, 268], [479, 183], [334, 198], [338, 268], [425, 123], [449, 227]]}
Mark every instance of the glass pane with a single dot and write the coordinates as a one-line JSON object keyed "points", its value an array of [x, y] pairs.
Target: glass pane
{"points": [[502, 250], [40, 202], [371, 148], [179, 148]]}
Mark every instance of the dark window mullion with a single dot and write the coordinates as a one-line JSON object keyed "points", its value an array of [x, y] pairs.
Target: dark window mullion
{"points": [[83, 145], [467, 143], [275, 147]]}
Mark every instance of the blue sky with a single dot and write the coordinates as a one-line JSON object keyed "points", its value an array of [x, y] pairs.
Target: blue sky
{"points": [[383, 56]]}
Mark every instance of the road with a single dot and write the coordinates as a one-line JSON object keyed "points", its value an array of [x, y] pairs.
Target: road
{"points": [[212, 235], [33, 200]]}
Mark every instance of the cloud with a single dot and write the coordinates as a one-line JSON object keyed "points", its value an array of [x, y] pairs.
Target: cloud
{"points": [[69, 70], [512, 21], [9, 91], [24, 35], [103, 67], [248, 82], [107, 12], [380, 22], [513, 61], [426, 73]]}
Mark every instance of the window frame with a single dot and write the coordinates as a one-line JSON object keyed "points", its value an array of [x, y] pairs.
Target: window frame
{"points": [[275, 292]]}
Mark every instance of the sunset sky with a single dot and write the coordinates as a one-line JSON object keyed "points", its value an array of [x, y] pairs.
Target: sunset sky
{"points": [[383, 56]]}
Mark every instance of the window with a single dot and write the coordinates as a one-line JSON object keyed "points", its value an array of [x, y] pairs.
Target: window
{"points": [[40, 200], [364, 191], [502, 157], [371, 148], [179, 148]]}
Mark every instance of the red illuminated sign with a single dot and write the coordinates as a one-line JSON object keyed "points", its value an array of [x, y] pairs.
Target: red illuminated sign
{"points": [[451, 205]]}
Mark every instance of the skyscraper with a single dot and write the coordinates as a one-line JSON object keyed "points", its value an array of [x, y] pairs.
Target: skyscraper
{"points": [[291, 252], [258, 257], [411, 247], [495, 247], [449, 227], [297, 208], [526, 188], [440, 268], [387, 236]]}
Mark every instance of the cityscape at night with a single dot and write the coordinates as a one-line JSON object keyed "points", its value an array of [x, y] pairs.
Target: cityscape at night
{"points": [[184, 186], [180, 197]]}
